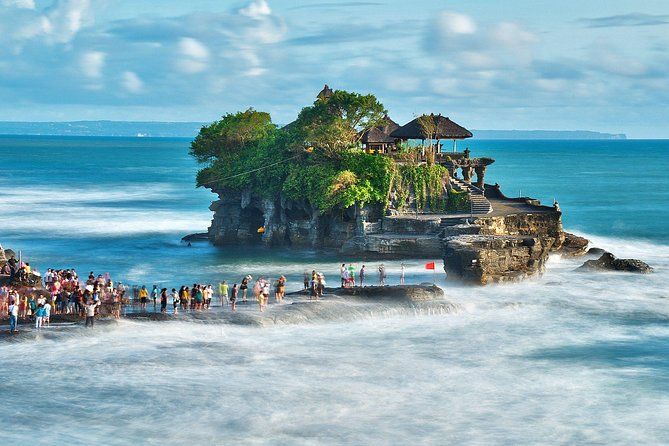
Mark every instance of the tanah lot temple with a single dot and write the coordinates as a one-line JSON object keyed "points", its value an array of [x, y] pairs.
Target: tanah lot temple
{"points": [[495, 238]]}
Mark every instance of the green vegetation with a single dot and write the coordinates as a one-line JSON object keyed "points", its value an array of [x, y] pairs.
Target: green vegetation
{"points": [[315, 158], [424, 182]]}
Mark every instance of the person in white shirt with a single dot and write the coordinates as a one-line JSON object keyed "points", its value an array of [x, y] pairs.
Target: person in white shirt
{"points": [[90, 312], [13, 316], [47, 313]]}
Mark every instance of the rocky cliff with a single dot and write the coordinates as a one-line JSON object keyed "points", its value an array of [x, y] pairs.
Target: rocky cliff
{"points": [[239, 217]]}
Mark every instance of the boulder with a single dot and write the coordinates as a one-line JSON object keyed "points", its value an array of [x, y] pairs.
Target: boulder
{"points": [[413, 293], [609, 262], [573, 245], [595, 252], [484, 259]]}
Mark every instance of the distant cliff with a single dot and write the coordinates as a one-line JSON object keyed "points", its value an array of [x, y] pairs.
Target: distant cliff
{"points": [[102, 128], [190, 129], [545, 134]]}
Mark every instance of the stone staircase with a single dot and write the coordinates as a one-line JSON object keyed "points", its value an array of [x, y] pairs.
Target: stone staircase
{"points": [[479, 203]]}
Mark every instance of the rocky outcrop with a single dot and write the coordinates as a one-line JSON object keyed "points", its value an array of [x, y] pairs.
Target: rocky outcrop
{"points": [[574, 246], [609, 262], [244, 218], [485, 259], [411, 293]]}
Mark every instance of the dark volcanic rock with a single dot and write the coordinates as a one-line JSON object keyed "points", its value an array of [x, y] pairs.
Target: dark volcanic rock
{"points": [[595, 252], [197, 237], [609, 262], [484, 259], [573, 245], [412, 293], [399, 292]]}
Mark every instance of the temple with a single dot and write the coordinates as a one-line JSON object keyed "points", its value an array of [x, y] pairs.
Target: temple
{"points": [[427, 132]]}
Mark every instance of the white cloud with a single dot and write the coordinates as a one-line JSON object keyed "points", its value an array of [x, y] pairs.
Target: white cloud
{"points": [[455, 23], [257, 9], [92, 63], [194, 56], [512, 35], [131, 82], [59, 23]]}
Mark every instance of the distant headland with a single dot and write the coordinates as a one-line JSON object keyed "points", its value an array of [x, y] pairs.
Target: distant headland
{"points": [[157, 129]]}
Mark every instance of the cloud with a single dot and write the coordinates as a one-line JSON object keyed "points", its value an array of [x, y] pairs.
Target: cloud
{"points": [[257, 9], [92, 63], [631, 19], [131, 82], [21, 21], [448, 23], [194, 55]]}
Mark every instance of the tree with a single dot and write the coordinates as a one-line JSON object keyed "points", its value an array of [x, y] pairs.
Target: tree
{"points": [[334, 124], [231, 135]]}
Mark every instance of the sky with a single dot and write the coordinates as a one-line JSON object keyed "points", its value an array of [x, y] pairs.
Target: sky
{"points": [[599, 65]]}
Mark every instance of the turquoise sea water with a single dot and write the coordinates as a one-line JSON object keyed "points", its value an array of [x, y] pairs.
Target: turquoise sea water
{"points": [[567, 358]]}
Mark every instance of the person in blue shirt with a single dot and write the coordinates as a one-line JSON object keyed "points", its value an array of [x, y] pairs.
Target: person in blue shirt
{"points": [[39, 316]]}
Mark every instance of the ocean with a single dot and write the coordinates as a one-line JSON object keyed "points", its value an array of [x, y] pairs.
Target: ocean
{"points": [[567, 358]]}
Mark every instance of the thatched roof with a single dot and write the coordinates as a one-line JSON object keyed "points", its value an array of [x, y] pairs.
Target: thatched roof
{"points": [[381, 133], [445, 129], [325, 93]]}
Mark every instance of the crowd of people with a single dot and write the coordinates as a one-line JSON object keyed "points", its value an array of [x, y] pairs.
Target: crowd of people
{"points": [[64, 292]]}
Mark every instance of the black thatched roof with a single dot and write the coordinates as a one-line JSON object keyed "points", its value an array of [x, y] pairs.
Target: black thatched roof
{"points": [[446, 129], [381, 133], [325, 93]]}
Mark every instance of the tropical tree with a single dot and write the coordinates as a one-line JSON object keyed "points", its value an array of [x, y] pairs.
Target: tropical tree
{"points": [[232, 134], [335, 123]]}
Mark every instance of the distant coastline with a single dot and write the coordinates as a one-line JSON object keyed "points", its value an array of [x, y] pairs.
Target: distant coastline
{"points": [[154, 129]]}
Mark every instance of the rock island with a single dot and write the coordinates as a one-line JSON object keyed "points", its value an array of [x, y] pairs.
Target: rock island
{"points": [[344, 176]]}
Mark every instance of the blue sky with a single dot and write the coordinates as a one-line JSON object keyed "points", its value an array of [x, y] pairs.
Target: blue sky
{"points": [[525, 64]]}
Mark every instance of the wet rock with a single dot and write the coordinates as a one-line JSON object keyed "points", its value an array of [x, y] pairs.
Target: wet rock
{"points": [[484, 259], [197, 237], [414, 293], [573, 245], [595, 252], [609, 262]]}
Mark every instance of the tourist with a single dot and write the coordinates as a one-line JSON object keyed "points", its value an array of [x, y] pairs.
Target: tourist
{"points": [[305, 280], [223, 292], [382, 274], [233, 297], [143, 297], [39, 316], [175, 301], [362, 276], [402, 274], [263, 296], [244, 287], [47, 314], [257, 288], [320, 281], [199, 298], [32, 306], [163, 300], [280, 289], [343, 274], [13, 316], [313, 289], [90, 307], [209, 295], [154, 296]]}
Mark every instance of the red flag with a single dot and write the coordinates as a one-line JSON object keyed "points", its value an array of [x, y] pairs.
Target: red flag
{"points": [[429, 265]]}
